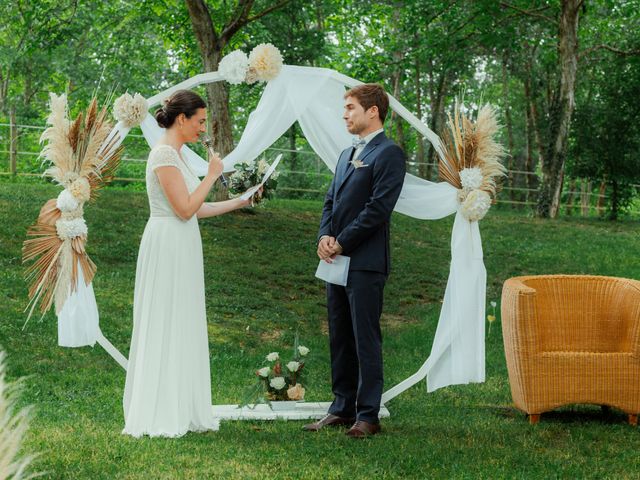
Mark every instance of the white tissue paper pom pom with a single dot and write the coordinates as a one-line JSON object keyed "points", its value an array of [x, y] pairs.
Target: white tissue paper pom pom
{"points": [[233, 67], [68, 229], [129, 110], [266, 60], [471, 178], [476, 205], [66, 202]]}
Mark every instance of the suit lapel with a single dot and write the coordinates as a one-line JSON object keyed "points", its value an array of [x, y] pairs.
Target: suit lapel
{"points": [[370, 147], [343, 165]]}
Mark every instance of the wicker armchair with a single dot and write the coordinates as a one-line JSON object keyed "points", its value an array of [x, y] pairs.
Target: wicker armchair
{"points": [[572, 339]]}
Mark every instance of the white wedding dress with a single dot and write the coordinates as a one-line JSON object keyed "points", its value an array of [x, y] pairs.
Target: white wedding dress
{"points": [[168, 386]]}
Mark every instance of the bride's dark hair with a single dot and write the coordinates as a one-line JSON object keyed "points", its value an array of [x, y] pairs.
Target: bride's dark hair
{"points": [[182, 101]]}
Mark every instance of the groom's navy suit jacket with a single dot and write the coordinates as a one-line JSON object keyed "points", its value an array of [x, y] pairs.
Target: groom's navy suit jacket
{"points": [[358, 205]]}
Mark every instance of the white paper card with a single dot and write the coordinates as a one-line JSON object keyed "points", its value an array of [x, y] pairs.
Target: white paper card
{"points": [[336, 272]]}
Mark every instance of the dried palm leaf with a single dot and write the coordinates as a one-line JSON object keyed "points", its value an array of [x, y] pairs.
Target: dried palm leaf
{"points": [[468, 144], [49, 213], [86, 149], [74, 132]]}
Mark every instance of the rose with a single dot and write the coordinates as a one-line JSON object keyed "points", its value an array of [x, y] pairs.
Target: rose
{"points": [[296, 392], [277, 382], [303, 351], [272, 357], [263, 372], [293, 366]]}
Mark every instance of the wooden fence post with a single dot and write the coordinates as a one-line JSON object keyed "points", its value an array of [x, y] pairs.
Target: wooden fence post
{"points": [[13, 142]]}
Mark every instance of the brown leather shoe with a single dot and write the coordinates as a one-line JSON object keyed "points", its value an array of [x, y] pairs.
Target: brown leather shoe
{"points": [[363, 429], [328, 420]]}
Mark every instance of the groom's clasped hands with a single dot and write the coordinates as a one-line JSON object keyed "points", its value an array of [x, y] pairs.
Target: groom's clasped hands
{"points": [[328, 248]]}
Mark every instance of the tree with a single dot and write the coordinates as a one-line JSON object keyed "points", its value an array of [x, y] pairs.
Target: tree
{"points": [[213, 38], [606, 132]]}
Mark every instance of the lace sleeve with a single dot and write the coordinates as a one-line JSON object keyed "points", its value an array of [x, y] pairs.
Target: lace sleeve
{"points": [[163, 156]]}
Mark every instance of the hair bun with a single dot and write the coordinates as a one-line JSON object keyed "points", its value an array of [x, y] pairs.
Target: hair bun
{"points": [[181, 102], [161, 118]]}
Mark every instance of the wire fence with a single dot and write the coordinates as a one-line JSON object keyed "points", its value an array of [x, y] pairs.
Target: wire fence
{"points": [[303, 174]]}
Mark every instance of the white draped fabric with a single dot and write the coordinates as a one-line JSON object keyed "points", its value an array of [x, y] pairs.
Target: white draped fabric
{"points": [[78, 319], [314, 98]]}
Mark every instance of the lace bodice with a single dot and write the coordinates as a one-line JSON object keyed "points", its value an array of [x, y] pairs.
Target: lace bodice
{"points": [[163, 156]]}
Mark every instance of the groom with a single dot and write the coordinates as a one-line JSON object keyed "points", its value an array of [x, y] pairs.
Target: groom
{"points": [[355, 223]]}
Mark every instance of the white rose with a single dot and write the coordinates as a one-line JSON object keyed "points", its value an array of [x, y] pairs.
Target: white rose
{"points": [[494, 304], [277, 382], [262, 167], [273, 356], [293, 366], [264, 372], [302, 350]]}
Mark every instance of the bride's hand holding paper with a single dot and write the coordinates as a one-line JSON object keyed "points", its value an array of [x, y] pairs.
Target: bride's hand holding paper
{"points": [[250, 195]]}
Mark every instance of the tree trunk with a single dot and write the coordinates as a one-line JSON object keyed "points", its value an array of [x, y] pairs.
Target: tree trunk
{"points": [[437, 116], [292, 134], [507, 115], [396, 80], [615, 201], [530, 163], [396, 120], [420, 157], [13, 145], [560, 111]]}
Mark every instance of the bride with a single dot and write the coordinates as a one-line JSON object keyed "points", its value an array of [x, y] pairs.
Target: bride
{"points": [[168, 386]]}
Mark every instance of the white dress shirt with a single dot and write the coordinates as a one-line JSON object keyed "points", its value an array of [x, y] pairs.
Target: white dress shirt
{"points": [[367, 139]]}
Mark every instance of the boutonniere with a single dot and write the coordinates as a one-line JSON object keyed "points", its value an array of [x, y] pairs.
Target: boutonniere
{"points": [[358, 163]]}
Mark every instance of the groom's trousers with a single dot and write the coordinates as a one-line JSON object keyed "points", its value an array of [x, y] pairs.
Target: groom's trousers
{"points": [[355, 340]]}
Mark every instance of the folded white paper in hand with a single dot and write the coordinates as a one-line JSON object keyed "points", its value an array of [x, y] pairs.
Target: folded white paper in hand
{"points": [[251, 192], [335, 272]]}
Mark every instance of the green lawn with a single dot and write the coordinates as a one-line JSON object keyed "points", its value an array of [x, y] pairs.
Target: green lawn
{"points": [[260, 289]]}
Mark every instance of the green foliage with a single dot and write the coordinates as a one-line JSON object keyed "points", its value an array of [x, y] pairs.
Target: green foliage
{"points": [[425, 52], [260, 290]]}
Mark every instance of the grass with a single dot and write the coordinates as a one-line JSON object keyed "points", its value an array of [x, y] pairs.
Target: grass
{"points": [[260, 289]]}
